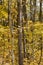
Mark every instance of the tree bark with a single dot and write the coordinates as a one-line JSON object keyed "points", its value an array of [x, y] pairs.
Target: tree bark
{"points": [[19, 20], [25, 18], [40, 14], [24, 44], [34, 10], [30, 9], [24, 10], [11, 29]]}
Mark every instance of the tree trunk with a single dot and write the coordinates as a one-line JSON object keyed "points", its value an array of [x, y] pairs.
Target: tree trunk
{"points": [[24, 44], [19, 20], [30, 9], [11, 29], [40, 15], [25, 18], [24, 10], [34, 10]]}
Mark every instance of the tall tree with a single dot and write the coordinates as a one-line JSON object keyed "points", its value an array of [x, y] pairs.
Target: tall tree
{"points": [[34, 10], [30, 9], [11, 29], [19, 20], [40, 14], [24, 43], [24, 10], [25, 18]]}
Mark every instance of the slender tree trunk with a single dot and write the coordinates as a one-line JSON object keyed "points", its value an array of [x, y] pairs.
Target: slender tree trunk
{"points": [[25, 18], [24, 44], [19, 19], [30, 9], [24, 10], [25, 13], [11, 29], [40, 15], [34, 9]]}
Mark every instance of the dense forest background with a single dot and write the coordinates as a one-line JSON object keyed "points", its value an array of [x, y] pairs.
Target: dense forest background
{"points": [[21, 32]]}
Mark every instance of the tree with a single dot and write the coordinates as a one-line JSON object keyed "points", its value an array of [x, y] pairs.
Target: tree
{"points": [[11, 29], [40, 14], [24, 44], [19, 20], [25, 18], [30, 9], [34, 10], [24, 10]]}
